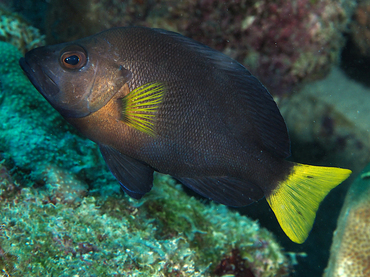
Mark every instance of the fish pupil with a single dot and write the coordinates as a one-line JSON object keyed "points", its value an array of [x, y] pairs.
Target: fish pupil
{"points": [[72, 60]]}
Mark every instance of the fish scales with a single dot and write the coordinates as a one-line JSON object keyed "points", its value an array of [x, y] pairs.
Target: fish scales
{"points": [[199, 112], [154, 100]]}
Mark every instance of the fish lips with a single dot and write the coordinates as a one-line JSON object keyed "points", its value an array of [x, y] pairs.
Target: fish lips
{"points": [[41, 81], [44, 83]]}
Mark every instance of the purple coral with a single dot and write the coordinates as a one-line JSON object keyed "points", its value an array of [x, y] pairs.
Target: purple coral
{"points": [[282, 42], [295, 41], [235, 265]]}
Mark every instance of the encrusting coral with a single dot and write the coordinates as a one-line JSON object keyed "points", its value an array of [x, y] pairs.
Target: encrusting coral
{"points": [[62, 212], [350, 250]]}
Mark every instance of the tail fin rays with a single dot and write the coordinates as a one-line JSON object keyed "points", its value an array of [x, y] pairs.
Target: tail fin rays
{"points": [[295, 200]]}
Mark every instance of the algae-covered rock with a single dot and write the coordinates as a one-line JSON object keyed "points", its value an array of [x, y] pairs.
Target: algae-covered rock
{"points": [[62, 212], [166, 233]]}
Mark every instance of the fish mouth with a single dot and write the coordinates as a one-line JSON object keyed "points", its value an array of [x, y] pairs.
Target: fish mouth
{"points": [[39, 78], [42, 79]]}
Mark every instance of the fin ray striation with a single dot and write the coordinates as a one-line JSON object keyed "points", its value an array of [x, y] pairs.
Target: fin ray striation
{"points": [[296, 200], [140, 106]]}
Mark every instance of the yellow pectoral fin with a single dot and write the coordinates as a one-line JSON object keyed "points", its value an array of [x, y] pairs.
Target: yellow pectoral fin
{"points": [[295, 200], [140, 106]]}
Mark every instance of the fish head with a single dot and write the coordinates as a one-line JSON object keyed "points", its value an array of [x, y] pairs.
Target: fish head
{"points": [[77, 78]]}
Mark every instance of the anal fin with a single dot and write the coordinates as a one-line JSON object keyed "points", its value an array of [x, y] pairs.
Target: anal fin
{"points": [[135, 177]]}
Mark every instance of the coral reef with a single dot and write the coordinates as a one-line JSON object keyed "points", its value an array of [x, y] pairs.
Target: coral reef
{"points": [[281, 42], [360, 28], [39, 147], [62, 212], [166, 234], [15, 30], [328, 122], [351, 246]]}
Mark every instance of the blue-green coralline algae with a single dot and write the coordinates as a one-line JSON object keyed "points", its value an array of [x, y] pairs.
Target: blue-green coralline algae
{"points": [[61, 212], [35, 138]]}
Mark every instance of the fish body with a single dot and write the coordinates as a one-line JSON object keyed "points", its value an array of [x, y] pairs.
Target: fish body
{"points": [[154, 100]]}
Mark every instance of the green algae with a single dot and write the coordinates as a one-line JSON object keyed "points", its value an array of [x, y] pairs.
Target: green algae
{"points": [[62, 214], [92, 239]]}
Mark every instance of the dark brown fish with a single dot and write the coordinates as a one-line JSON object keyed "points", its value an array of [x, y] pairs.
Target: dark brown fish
{"points": [[156, 100]]}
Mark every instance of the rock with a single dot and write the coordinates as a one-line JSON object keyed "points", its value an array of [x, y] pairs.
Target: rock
{"points": [[328, 122], [351, 245]]}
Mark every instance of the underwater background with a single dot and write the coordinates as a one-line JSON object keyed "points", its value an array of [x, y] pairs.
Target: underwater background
{"points": [[62, 213]]}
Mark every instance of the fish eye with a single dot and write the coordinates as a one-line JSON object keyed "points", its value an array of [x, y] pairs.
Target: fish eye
{"points": [[73, 59]]}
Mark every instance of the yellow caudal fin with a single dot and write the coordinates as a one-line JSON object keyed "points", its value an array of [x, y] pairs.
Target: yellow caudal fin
{"points": [[140, 107], [295, 200]]}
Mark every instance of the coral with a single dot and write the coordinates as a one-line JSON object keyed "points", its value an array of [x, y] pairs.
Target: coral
{"points": [[15, 30], [328, 123], [351, 244], [282, 42], [40, 148], [235, 265], [360, 28], [62, 212], [31, 10], [165, 234]]}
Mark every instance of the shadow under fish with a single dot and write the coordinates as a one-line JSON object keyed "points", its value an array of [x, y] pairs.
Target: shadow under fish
{"points": [[154, 100]]}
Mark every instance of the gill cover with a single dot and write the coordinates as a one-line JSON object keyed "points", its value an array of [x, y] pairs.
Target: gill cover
{"points": [[76, 78]]}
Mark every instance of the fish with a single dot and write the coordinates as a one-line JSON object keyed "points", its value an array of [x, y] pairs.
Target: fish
{"points": [[154, 100]]}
